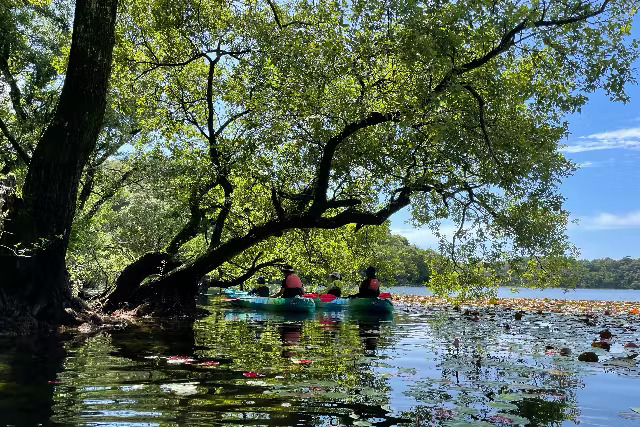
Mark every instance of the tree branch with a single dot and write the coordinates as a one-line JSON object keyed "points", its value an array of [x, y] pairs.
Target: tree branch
{"points": [[109, 194], [216, 235], [87, 187], [322, 177], [159, 64], [508, 40], [229, 121], [156, 65], [275, 13], [483, 125], [344, 203], [277, 205], [14, 143], [247, 275], [190, 229], [215, 157], [565, 21], [14, 90]]}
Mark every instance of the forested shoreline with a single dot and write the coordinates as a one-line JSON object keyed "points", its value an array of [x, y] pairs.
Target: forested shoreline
{"points": [[607, 273], [411, 268]]}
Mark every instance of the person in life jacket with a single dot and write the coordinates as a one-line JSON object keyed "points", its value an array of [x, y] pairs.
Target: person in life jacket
{"points": [[370, 287], [335, 288], [291, 284], [262, 290]]}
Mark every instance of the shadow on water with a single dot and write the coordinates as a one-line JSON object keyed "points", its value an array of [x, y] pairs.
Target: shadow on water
{"points": [[29, 366]]}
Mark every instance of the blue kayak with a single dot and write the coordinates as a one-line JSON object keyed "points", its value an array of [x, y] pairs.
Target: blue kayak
{"points": [[275, 304], [368, 305], [234, 293]]}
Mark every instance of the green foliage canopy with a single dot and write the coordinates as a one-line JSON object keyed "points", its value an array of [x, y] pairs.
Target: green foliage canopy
{"points": [[297, 115]]}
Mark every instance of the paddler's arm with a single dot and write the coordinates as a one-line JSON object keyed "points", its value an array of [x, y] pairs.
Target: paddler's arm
{"points": [[280, 292]]}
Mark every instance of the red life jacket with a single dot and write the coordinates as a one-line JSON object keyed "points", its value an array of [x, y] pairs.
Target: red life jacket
{"points": [[374, 285], [292, 282]]}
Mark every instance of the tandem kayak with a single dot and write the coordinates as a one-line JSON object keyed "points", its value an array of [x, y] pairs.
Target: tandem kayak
{"points": [[275, 304]]}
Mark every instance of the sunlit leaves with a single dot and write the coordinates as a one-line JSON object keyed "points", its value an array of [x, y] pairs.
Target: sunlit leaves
{"points": [[255, 92]]}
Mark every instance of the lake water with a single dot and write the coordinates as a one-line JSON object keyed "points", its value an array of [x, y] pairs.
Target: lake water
{"points": [[417, 368], [552, 293]]}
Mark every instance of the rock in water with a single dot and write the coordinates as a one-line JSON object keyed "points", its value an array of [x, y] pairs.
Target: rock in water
{"points": [[606, 335], [588, 356]]}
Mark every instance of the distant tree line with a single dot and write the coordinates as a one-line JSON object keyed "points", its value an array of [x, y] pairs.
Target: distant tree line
{"points": [[409, 265], [607, 273], [402, 263]]}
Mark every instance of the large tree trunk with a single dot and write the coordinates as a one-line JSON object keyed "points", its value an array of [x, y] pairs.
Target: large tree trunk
{"points": [[127, 289], [41, 223]]}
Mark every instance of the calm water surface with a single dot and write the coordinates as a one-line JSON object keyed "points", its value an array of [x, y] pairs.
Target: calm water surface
{"points": [[248, 368]]}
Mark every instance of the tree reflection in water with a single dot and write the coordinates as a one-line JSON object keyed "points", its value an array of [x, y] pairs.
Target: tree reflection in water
{"points": [[242, 367], [29, 366]]}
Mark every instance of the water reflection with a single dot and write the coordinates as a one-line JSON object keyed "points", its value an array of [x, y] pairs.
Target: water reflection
{"points": [[249, 368], [28, 369]]}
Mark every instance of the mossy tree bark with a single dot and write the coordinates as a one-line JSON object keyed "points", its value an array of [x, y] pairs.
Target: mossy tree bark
{"points": [[37, 231]]}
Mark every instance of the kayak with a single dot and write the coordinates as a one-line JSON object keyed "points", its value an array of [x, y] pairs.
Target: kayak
{"points": [[275, 304], [336, 304], [369, 305], [234, 293]]}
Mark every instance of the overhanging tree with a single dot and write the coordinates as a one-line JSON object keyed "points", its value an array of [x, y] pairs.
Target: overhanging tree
{"points": [[36, 234], [298, 116]]}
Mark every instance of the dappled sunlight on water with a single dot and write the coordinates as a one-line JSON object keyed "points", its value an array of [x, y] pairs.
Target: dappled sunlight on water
{"points": [[422, 367]]}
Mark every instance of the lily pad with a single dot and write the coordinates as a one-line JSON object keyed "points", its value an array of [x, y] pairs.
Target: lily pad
{"points": [[503, 405], [459, 423], [510, 396], [515, 418]]}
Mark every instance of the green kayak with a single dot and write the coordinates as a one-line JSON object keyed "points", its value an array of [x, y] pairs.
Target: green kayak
{"points": [[275, 304], [369, 305]]}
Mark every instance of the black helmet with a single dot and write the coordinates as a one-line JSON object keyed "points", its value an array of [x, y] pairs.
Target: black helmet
{"points": [[287, 268], [370, 271], [260, 280]]}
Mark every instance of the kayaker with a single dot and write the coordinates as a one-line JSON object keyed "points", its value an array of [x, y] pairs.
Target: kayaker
{"points": [[370, 287], [291, 284], [335, 288], [261, 290]]}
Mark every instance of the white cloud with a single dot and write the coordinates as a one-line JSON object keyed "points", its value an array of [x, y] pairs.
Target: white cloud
{"points": [[616, 134], [621, 138], [595, 164], [586, 165], [609, 221]]}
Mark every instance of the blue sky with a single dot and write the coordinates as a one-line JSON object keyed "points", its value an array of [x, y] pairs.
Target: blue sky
{"points": [[604, 194]]}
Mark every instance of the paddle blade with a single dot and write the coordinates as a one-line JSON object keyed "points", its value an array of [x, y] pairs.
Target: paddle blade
{"points": [[327, 297], [385, 295], [312, 296]]}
